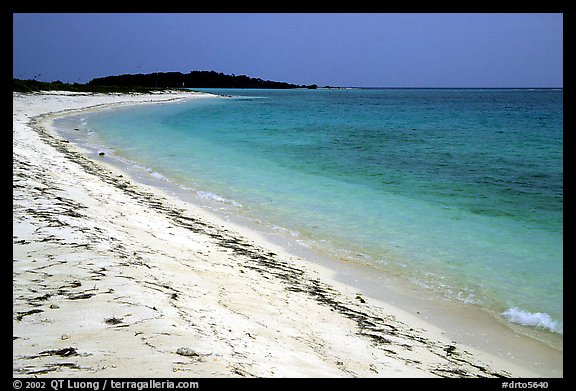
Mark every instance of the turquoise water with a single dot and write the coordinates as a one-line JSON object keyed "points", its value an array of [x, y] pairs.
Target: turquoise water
{"points": [[460, 191]]}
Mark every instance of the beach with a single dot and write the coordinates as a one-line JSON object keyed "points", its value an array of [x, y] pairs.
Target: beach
{"points": [[114, 278]]}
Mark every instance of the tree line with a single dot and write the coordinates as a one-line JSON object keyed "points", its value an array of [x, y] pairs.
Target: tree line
{"points": [[28, 86], [194, 79]]}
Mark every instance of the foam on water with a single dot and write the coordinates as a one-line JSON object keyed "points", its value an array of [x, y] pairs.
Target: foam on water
{"points": [[537, 319], [157, 175], [215, 197]]}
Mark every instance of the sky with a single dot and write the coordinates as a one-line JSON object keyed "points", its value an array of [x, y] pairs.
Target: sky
{"points": [[468, 50]]}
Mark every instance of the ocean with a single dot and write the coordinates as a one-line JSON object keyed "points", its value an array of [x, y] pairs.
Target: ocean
{"points": [[457, 190]]}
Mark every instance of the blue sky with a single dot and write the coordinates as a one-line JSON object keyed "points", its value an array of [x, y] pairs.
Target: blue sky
{"points": [[338, 49]]}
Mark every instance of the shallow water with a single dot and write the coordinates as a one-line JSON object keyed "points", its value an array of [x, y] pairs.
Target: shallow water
{"points": [[460, 191]]}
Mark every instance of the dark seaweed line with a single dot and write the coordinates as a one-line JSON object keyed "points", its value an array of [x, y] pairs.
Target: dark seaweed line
{"points": [[373, 327]]}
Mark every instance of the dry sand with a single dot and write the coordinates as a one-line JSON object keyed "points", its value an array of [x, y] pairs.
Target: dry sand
{"points": [[112, 278]]}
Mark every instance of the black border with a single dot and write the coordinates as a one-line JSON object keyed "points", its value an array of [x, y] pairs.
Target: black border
{"points": [[186, 6], [189, 6]]}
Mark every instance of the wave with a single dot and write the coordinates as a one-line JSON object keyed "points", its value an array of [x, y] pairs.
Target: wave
{"points": [[215, 197], [532, 319], [157, 175]]}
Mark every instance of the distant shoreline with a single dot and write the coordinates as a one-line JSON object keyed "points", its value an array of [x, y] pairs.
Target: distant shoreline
{"points": [[442, 88]]}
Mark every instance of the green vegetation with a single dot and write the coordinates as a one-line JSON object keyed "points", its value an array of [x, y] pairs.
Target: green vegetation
{"points": [[158, 81], [194, 79], [19, 85]]}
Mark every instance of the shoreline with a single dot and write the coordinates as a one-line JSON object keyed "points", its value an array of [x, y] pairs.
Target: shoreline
{"points": [[266, 312]]}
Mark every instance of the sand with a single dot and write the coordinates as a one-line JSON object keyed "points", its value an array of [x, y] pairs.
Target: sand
{"points": [[114, 278]]}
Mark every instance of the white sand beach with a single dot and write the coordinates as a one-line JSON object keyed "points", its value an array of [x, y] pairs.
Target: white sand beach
{"points": [[113, 278]]}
